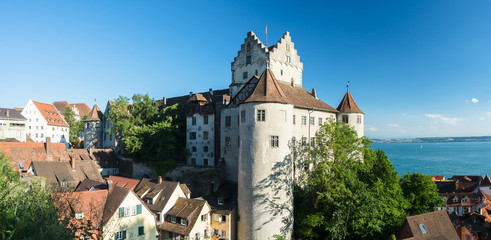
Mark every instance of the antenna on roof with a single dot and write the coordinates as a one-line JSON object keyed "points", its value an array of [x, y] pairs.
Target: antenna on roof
{"points": [[266, 35], [347, 87]]}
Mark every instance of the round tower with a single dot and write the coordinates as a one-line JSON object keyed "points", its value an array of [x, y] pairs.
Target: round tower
{"points": [[351, 114], [92, 130]]}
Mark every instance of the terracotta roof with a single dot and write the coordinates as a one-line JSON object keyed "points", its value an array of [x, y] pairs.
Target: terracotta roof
{"points": [[473, 199], [81, 107], [437, 178], [268, 89], [58, 171], [106, 158], [23, 153], [13, 114], [147, 189], [114, 199], [188, 209], [185, 188], [436, 224], [348, 105], [128, 183], [94, 115], [50, 114], [91, 203], [198, 97], [61, 106]]}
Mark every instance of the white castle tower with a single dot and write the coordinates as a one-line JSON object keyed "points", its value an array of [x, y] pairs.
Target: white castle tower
{"points": [[253, 57], [351, 114]]}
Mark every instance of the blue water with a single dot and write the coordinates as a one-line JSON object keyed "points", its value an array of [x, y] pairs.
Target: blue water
{"points": [[447, 159]]}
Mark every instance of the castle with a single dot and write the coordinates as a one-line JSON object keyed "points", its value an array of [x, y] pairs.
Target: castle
{"points": [[250, 128]]}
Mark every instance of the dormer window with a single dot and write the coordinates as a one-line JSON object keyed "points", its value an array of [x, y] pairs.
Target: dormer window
{"points": [[184, 222], [64, 184], [173, 219], [465, 199], [220, 201], [150, 201], [79, 215], [455, 199]]}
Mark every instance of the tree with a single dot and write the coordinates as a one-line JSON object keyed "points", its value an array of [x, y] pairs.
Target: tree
{"points": [[421, 192], [352, 192], [26, 209], [153, 138], [75, 126]]}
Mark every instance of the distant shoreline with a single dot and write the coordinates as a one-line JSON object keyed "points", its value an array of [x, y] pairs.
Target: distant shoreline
{"points": [[434, 140]]}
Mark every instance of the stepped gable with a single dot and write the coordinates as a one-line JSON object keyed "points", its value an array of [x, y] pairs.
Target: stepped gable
{"points": [[348, 105], [256, 40], [50, 114], [95, 115], [268, 89]]}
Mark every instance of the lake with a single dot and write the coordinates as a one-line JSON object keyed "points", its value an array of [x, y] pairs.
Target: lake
{"points": [[447, 159]]}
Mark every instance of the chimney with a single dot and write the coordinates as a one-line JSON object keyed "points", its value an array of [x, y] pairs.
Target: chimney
{"points": [[164, 102], [7, 113], [159, 180], [314, 93], [48, 147], [72, 162], [211, 92], [91, 153], [190, 94], [109, 184]]}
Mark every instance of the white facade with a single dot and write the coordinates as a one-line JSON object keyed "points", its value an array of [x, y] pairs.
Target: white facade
{"points": [[200, 140], [12, 127], [38, 128], [355, 120]]}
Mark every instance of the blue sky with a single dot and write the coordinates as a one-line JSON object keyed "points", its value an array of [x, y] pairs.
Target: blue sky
{"points": [[417, 68]]}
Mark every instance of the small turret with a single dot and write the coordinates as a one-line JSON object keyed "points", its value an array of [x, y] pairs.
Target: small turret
{"points": [[351, 114], [92, 130]]}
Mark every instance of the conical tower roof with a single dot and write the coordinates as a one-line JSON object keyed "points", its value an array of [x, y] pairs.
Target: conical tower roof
{"points": [[95, 115], [348, 105], [267, 90]]}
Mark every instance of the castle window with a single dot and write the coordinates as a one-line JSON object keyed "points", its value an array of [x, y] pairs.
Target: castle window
{"points": [[256, 72], [288, 59], [205, 162], [205, 135], [227, 141], [358, 119], [320, 121], [228, 121], [312, 141], [248, 47], [205, 119], [205, 149], [294, 119], [312, 121], [304, 141], [242, 116], [288, 47], [244, 75], [193, 122], [261, 115], [248, 60], [274, 141], [345, 118], [193, 149], [304, 120], [294, 140], [192, 135], [281, 72]]}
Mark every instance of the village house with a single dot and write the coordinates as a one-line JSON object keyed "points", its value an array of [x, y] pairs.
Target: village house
{"points": [[432, 225], [43, 120], [127, 217], [92, 125], [124, 182], [160, 196], [187, 219], [12, 125], [223, 205], [79, 109]]}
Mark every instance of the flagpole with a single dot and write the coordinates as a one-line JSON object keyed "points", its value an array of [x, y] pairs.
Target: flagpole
{"points": [[266, 35]]}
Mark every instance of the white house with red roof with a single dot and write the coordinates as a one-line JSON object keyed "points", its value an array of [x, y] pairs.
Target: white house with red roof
{"points": [[44, 120]]}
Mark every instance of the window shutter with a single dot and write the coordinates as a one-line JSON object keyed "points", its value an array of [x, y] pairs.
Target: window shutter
{"points": [[121, 212], [215, 217], [124, 234], [138, 209], [116, 236]]}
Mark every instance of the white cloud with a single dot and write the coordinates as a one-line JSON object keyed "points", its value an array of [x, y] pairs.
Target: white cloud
{"points": [[433, 116], [488, 113], [451, 121], [474, 100], [482, 118], [392, 125], [372, 129]]}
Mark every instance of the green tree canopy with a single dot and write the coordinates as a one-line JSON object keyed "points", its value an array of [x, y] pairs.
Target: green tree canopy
{"points": [[75, 126], [26, 208], [421, 192], [351, 192], [154, 138]]}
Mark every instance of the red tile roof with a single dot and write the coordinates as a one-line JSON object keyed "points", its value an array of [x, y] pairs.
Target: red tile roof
{"points": [[81, 107], [61, 106], [91, 203], [26, 152], [128, 183], [185, 208], [94, 115], [348, 105], [50, 114], [267, 90]]}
